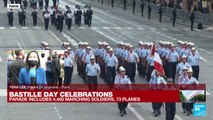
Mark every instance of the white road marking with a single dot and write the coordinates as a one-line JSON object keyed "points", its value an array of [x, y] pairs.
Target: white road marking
{"points": [[178, 117], [118, 28], [82, 28], [3, 92], [165, 29], [141, 28], [201, 49], [135, 112], [12, 28], [72, 41], [2, 28], [57, 112], [209, 52], [175, 29], [1, 60], [107, 28], [55, 36], [129, 28], [25, 28], [207, 93], [94, 28], [152, 28], [19, 45], [22, 42], [109, 37], [36, 27]]}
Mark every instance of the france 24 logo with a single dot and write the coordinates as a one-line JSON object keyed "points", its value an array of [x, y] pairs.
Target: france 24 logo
{"points": [[199, 110]]}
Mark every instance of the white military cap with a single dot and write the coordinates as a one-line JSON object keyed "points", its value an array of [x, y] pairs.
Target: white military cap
{"points": [[89, 47], [190, 70], [185, 68], [92, 57], [110, 50], [183, 56], [121, 69], [193, 49]]}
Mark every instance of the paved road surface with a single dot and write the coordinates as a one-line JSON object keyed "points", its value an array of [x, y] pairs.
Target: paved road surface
{"points": [[110, 25]]}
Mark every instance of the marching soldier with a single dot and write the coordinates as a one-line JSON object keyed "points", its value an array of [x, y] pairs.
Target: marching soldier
{"points": [[5, 3], [183, 80], [160, 12], [155, 81], [60, 21], [65, 13], [25, 2], [86, 60], [174, 14], [92, 71], [181, 65], [122, 82], [52, 15], [192, 18], [133, 6], [112, 2], [19, 16], [142, 7], [41, 3], [132, 59], [10, 17], [46, 3], [149, 10], [68, 68], [78, 57], [46, 15], [190, 80], [85, 15], [170, 108], [125, 1], [149, 67], [78, 16], [194, 60], [172, 61], [111, 62], [69, 17], [34, 16], [89, 16]]}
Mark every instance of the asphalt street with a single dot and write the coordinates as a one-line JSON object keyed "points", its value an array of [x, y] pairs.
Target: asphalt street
{"points": [[111, 25]]}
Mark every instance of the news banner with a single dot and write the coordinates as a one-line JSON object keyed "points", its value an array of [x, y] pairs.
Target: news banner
{"points": [[80, 93]]}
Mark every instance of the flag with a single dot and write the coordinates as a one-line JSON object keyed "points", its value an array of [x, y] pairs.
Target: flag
{"points": [[157, 61], [57, 5]]}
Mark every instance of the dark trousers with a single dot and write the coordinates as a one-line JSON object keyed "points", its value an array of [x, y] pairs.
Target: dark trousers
{"points": [[171, 69], [111, 75], [10, 21], [160, 17], [139, 69], [67, 75], [89, 21], [5, 3], [52, 19], [131, 69], [56, 77], [83, 72], [79, 70], [149, 14], [103, 75], [112, 3], [60, 81], [122, 105], [92, 82], [156, 106], [41, 4], [189, 107], [124, 6], [196, 70], [173, 21], [46, 23], [149, 72], [34, 21], [170, 110], [69, 23], [192, 23], [133, 9], [49, 78], [142, 9], [79, 21]]}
